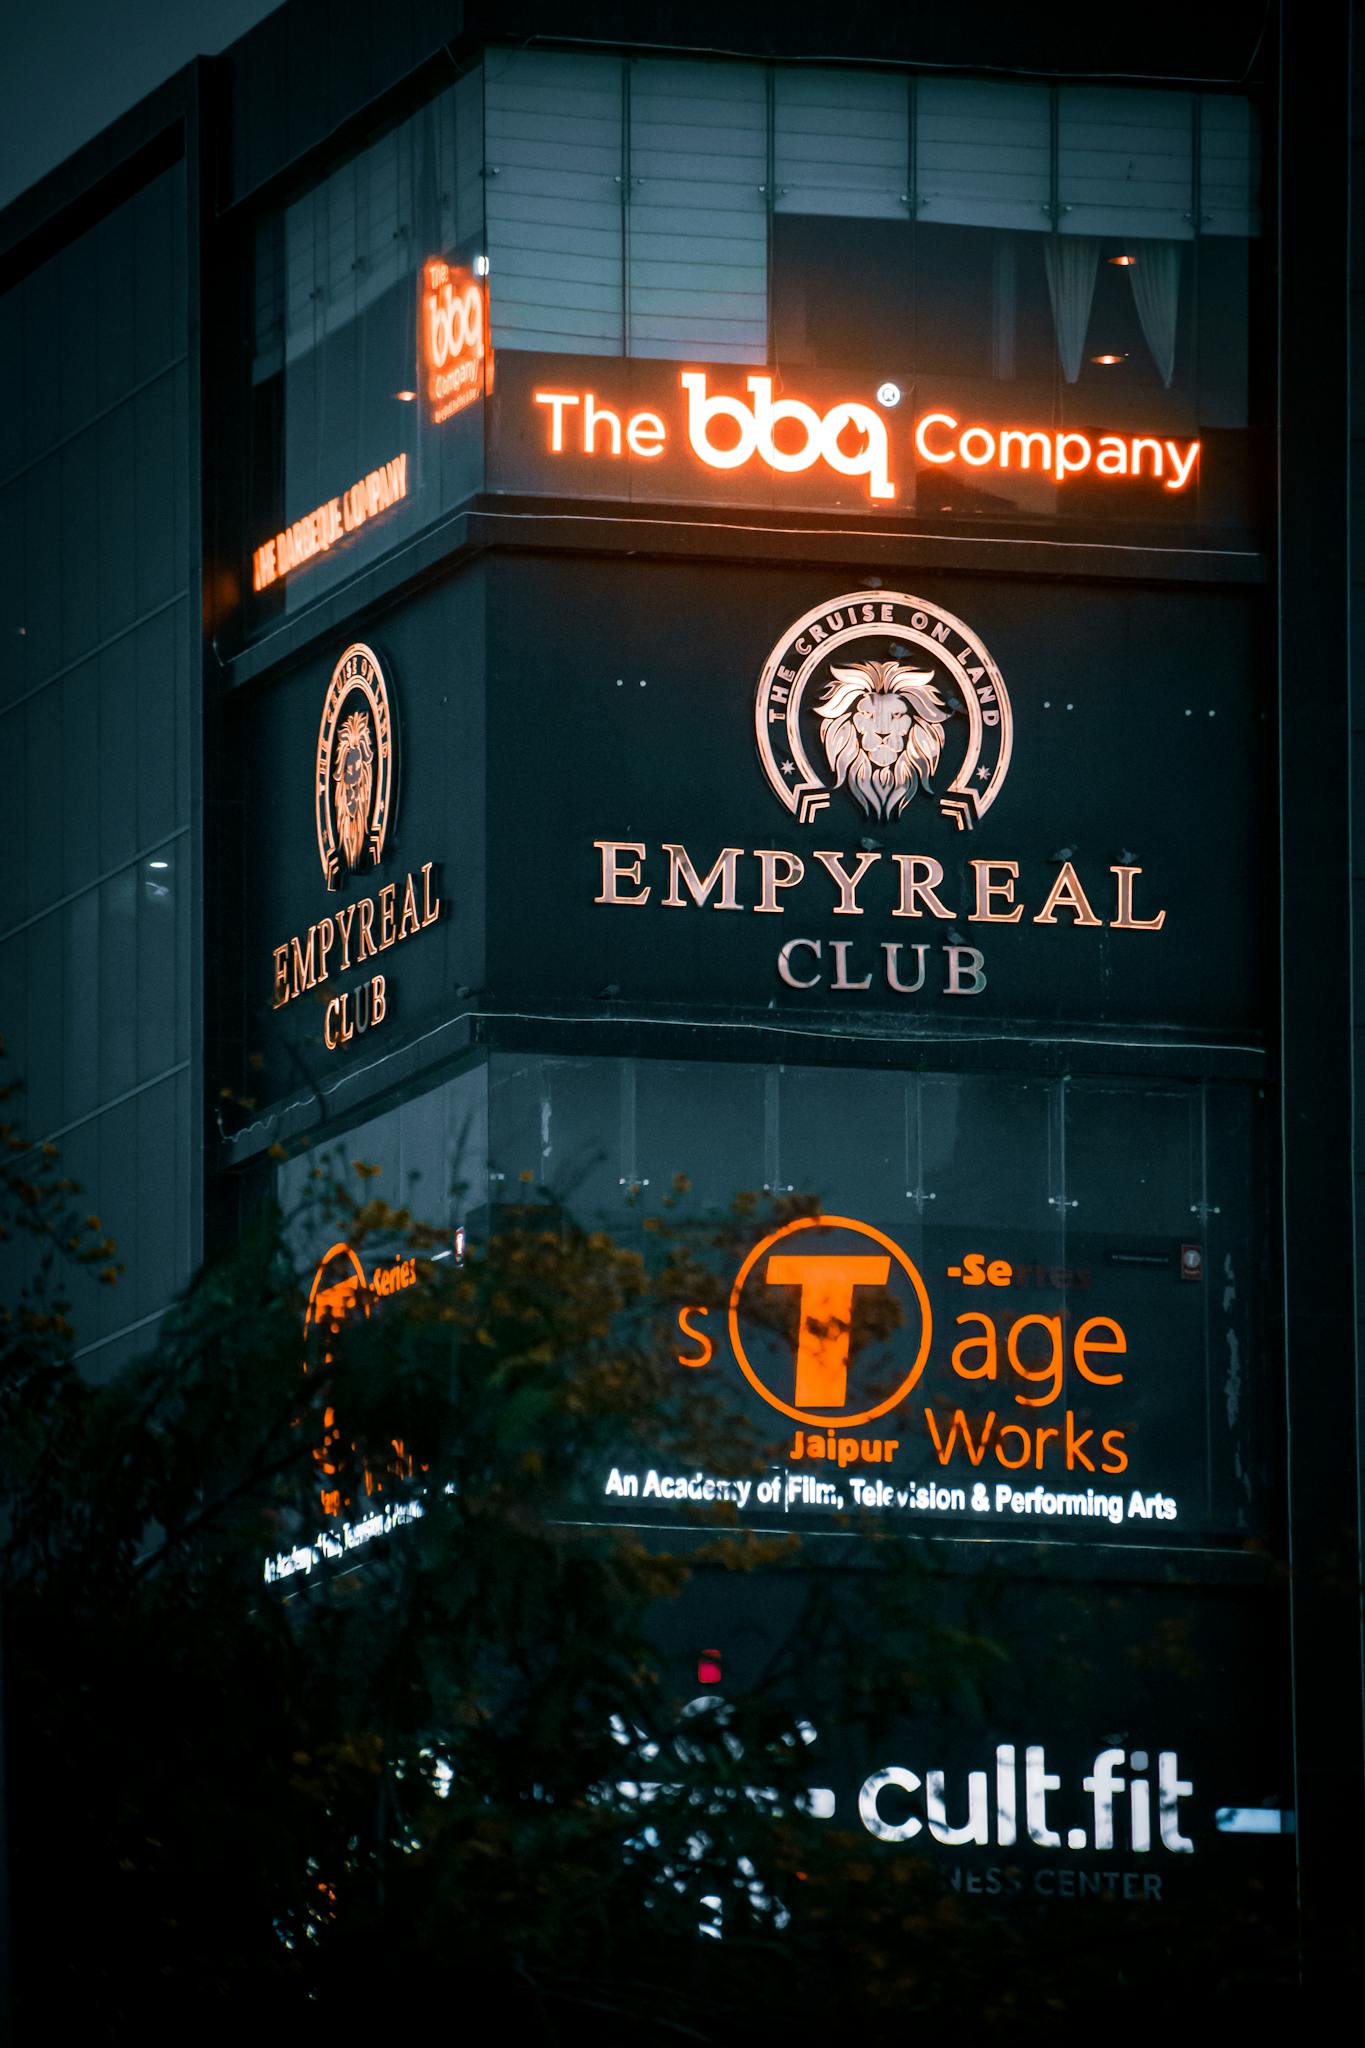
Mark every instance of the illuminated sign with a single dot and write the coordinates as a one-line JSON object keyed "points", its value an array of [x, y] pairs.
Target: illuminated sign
{"points": [[353, 803], [984, 1408], [338, 1289], [332, 521], [453, 318], [881, 699], [355, 765], [881, 728], [891, 1810], [850, 438], [827, 1280], [940, 438]]}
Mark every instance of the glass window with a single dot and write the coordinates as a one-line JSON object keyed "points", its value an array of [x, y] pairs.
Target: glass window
{"points": [[369, 353], [697, 220], [555, 128], [1051, 283], [1087, 1251]]}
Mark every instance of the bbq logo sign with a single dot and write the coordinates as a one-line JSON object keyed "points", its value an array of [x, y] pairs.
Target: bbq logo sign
{"points": [[888, 698], [354, 798]]}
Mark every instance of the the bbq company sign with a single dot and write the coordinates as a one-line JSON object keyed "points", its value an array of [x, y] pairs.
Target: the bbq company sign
{"points": [[850, 440], [354, 798], [882, 708]]}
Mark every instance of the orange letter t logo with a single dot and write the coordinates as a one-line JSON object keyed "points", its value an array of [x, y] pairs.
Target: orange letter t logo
{"points": [[827, 1286]]}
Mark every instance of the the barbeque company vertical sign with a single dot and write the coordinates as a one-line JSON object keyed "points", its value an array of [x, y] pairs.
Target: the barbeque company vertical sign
{"points": [[354, 800], [888, 711]]}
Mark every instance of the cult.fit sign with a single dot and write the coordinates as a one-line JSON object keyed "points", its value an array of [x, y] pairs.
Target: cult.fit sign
{"points": [[727, 431]]}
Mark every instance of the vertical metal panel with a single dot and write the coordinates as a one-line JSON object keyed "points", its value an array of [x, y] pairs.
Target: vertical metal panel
{"points": [[841, 143], [160, 1143], [1320, 1296], [82, 773], [114, 569], [40, 537], [152, 500], [158, 962], [77, 997], [160, 724], [117, 789], [1125, 162], [14, 1021], [42, 798], [697, 221], [553, 138], [114, 365], [46, 1010], [1229, 165], [11, 377], [115, 958], [46, 303], [983, 153], [78, 543], [14, 672]]}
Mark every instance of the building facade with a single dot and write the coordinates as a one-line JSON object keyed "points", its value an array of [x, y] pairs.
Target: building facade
{"points": [[615, 622]]}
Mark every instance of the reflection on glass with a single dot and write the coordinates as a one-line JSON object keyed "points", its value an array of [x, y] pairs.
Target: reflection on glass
{"points": [[1084, 1251], [361, 282]]}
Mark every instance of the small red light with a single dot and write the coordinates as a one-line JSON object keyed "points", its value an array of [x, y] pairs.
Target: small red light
{"points": [[1124, 262], [708, 1668]]}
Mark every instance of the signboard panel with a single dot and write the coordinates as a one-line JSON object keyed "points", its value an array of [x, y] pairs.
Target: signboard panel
{"points": [[957, 797], [1040, 1750], [928, 1305], [887, 444], [362, 859]]}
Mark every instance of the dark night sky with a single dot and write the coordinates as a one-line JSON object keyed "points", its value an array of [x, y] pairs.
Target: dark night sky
{"points": [[69, 67]]}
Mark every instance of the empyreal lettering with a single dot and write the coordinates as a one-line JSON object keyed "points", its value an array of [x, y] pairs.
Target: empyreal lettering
{"points": [[882, 708]]}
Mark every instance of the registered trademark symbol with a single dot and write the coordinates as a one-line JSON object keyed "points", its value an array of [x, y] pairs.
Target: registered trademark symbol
{"points": [[888, 394]]}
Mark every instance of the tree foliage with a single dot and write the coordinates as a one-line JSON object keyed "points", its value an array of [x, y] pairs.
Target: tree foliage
{"points": [[463, 1761]]}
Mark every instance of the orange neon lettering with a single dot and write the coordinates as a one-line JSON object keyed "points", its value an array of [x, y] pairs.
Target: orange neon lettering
{"points": [[938, 439], [327, 523], [922, 448], [826, 1317], [557, 401], [706, 1350], [646, 434], [454, 322], [851, 437]]}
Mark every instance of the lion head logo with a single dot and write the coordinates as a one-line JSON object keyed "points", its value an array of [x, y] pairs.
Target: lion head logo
{"points": [[881, 726], [353, 784]]}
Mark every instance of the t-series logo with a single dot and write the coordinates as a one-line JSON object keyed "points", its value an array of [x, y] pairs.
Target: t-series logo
{"points": [[890, 1808]]}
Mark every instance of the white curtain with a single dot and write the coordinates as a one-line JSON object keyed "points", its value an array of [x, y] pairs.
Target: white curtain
{"points": [[1072, 264], [1155, 275]]}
